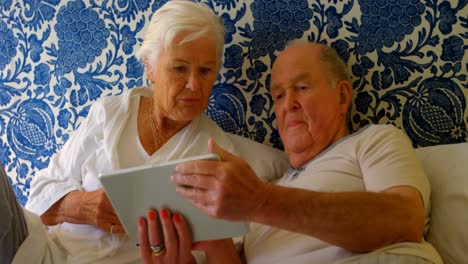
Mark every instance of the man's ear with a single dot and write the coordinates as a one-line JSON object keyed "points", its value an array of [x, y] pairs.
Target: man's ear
{"points": [[346, 94]]}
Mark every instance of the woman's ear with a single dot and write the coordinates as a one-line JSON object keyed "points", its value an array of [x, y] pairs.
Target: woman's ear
{"points": [[346, 94], [149, 70]]}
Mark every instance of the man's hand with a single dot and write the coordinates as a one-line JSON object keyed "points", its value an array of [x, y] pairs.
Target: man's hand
{"points": [[227, 189]]}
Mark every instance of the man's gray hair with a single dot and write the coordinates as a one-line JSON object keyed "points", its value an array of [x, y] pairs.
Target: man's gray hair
{"points": [[175, 17], [336, 67]]}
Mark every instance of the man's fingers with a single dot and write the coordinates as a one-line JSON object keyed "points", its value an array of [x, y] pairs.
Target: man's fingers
{"points": [[194, 195], [200, 199], [201, 167], [193, 180], [206, 167], [214, 148]]}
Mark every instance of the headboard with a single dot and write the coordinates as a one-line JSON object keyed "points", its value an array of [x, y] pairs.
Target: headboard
{"points": [[406, 58]]}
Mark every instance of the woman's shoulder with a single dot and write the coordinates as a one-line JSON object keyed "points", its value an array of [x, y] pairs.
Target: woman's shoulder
{"points": [[124, 98], [118, 103]]}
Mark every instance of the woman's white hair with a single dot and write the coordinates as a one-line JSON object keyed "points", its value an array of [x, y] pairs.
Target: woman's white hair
{"points": [[175, 17]]}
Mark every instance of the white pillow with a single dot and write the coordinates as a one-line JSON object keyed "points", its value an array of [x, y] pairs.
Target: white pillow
{"points": [[447, 169], [268, 163]]}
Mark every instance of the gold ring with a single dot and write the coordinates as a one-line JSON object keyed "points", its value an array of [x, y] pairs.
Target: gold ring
{"points": [[112, 228], [158, 250]]}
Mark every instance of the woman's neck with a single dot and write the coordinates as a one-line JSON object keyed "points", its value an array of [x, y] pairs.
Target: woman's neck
{"points": [[162, 128]]}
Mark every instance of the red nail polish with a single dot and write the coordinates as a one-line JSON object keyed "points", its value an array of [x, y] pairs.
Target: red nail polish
{"points": [[176, 218], [151, 215], [164, 213], [141, 221]]}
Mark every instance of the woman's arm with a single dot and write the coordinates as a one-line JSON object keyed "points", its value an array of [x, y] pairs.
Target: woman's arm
{"points": [[80, 207]]}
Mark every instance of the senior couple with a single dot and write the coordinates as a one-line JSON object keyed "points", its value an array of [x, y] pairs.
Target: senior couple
{"points": [[346, 198]]}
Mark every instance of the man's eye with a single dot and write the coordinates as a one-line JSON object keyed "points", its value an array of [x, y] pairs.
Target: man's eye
{"points": [[303, 87], [278, 96]]}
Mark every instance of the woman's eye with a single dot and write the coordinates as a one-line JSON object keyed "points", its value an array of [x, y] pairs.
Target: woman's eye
{"points": [[180, 68], [205, 70]]}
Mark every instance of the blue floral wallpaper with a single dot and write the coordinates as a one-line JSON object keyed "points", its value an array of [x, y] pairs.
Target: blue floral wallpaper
{"points": [[407, 59]]}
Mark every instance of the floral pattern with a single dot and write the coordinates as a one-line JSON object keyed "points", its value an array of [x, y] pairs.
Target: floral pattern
{"points": [[8, 42], [407, 60]]}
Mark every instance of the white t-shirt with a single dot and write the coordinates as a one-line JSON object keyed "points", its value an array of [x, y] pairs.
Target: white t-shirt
{"points": [[373, 159]]}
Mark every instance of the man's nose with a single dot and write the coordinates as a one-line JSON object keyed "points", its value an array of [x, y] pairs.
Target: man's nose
{"points": [[291, 102]]}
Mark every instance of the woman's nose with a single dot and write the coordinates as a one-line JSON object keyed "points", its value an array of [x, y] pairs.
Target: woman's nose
{"points": [[193, 82]]}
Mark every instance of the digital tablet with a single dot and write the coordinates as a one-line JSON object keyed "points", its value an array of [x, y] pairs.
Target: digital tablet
{"points": [[134, 190]]}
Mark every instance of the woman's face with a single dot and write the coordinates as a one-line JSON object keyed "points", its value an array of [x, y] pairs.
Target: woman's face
{"points": [[183, 77]]}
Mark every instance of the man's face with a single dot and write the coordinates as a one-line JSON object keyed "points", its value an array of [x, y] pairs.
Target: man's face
{"points": [[309, 113]]}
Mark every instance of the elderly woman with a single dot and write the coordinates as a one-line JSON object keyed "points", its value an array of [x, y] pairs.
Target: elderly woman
{"points": [[182, 53]]}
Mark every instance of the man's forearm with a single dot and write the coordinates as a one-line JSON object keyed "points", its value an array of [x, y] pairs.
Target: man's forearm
{"points": [[357, 221], [223, 252]]}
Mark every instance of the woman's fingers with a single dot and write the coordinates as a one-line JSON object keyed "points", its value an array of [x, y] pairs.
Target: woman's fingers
{"points": [[155, 236], [145, 253], [102, 214], [184, 233], [170, 236], [173, 242], [109, 224]]}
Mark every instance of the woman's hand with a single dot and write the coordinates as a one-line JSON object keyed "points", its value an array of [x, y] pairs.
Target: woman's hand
{"points": [[79, 207], [100, 212], [173, 245]]}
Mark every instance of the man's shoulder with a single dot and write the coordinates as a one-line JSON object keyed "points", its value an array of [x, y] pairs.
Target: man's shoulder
{"points": [[377, 127], [375, 136], [378, 131]]}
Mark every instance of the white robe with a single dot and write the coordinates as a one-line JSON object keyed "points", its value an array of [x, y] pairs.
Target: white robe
{"points": [[93, 149]]}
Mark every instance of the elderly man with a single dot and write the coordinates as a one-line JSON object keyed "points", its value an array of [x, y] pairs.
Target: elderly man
{"points": [[360, 197]]}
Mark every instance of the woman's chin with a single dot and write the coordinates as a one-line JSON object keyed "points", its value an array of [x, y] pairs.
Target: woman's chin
{"points": [[188, 115]]}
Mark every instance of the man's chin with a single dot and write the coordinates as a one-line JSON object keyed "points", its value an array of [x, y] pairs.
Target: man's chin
{"points": [[298, 145]]}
